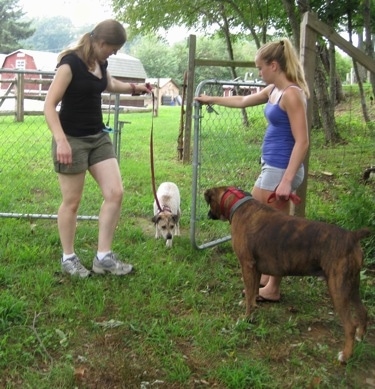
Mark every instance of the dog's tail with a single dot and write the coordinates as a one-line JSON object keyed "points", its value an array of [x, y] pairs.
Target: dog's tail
{"points": [[361, 234], [357, 236]]}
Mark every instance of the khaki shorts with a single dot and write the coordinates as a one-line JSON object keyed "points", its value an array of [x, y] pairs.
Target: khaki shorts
{"points": [[87, 151]]}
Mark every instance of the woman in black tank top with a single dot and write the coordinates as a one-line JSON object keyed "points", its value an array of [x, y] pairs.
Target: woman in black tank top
{"points": [[79, 143]]}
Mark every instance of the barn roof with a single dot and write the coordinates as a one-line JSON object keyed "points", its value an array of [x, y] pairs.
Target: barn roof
{"points": [[44, 60], [123, 65], [2, 59], [161, 81]]}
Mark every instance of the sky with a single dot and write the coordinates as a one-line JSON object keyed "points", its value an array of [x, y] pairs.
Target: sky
{"points": [[81, 12]]}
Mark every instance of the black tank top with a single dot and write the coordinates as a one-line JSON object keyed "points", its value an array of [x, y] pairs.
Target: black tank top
{"points": [[81, 106]]}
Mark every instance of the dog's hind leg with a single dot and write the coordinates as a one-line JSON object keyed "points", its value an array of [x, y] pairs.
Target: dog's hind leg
{"points": [[340, 294], [359, 310]]}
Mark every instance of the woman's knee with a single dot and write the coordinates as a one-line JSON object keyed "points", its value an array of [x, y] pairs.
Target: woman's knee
{"points": [[114, 195], [261, 195], [70, 205]]}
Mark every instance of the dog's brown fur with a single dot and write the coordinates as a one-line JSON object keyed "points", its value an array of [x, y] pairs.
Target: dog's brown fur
{"points": [[266, 241]]}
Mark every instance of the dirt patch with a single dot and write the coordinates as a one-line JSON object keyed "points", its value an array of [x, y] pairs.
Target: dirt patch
{"points": [[146, 225]]}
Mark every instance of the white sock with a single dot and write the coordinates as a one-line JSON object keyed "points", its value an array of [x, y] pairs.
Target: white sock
{"points": [[101, 254], [67, 256]]}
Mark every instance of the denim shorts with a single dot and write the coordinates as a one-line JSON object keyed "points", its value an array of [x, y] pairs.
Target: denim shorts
{"points": [[270, 177], [87, 151]]}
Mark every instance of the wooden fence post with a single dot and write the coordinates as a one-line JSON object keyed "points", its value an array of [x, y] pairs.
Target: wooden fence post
{"points": [[308, 61], [20, 93], [189, 98]]}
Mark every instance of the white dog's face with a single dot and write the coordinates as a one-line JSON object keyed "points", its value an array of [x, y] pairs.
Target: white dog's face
{"points": [[165, 223]]}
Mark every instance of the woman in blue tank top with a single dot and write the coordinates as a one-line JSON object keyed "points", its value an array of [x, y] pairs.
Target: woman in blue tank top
{"points": [[286, 140]]}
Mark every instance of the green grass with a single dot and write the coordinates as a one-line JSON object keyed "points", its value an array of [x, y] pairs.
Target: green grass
{"points": [[175, 322]]}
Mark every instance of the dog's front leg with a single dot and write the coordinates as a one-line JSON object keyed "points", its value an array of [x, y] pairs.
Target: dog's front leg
{"points": [[251, 278], [177, 233]]}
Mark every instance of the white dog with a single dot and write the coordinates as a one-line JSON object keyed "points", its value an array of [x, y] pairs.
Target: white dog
{"points": [[167, 219]]}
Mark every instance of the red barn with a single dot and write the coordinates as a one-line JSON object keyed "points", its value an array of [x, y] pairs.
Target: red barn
{"points": [[33, 63], [41, 65]]}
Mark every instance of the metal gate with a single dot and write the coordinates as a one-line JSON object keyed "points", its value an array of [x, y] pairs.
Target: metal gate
{"points": [[226, 151]]}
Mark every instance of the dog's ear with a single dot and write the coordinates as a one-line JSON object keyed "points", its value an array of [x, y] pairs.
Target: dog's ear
{"points": [[175, 218], [207, 195], [155, 219]]}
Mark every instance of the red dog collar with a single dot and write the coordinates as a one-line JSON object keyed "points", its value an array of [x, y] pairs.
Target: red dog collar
{"points": [[239, 197]]}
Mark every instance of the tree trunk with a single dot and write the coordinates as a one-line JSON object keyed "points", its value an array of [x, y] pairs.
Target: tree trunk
{"points": [[329, 63], [316, 122], [357, 71], [340, 96], [369, 43], [325, 107], [294, 21], [365, 113], [225, 29]]}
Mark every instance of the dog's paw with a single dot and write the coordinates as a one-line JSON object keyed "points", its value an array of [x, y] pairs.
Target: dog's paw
{"points": [[249, 319], [341, 357], [168, 243], [359, 334]]}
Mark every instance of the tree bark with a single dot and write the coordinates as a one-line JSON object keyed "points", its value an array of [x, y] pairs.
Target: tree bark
{"points": [[357, 71], [365, 113], [369, 43], [226, 31], [325, 107]]}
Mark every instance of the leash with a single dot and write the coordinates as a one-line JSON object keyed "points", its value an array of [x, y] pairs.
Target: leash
{"points": [[152, 155], [292, 197]]}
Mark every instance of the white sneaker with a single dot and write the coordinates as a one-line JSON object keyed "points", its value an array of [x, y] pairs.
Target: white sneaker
{"points": [[110, 264], [74, 267]]}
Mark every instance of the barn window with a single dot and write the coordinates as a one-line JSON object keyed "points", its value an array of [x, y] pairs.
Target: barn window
{"points": [[20, 64]]}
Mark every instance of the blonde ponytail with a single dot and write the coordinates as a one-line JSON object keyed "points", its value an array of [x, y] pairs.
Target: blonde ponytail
{"points": [[286, 56]]}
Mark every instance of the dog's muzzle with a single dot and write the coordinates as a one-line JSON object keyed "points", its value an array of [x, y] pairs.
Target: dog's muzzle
{"points": [[212, 216]]}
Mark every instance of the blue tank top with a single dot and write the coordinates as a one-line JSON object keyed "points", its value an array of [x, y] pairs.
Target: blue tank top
{"points": [[278, 141]]}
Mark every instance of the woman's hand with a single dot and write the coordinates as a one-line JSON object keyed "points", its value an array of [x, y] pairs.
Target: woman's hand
{"points": [[64, 152], [283, 191], [140, 89], [204, 99]]}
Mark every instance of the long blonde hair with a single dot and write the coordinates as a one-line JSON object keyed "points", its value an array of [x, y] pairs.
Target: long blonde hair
{"points": [[109, 31], [285, 55]]}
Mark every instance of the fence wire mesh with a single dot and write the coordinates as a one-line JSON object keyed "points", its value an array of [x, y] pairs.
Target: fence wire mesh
{"points": [[227, 149], [28, 184]]}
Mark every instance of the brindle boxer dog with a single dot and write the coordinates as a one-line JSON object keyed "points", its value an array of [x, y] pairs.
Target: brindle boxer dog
{"points": [[266, 241]]}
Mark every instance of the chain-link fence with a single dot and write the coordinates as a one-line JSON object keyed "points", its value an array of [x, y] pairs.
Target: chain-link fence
{"points": [[28, 184], [227, 149]]}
